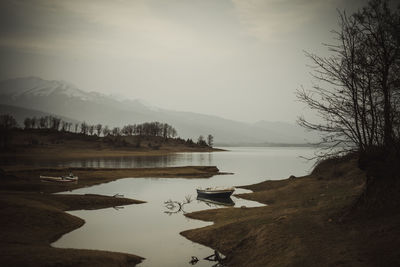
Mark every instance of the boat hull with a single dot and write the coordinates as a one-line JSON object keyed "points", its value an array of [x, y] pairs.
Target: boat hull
{"points": [[214, 193], [58, 179]]}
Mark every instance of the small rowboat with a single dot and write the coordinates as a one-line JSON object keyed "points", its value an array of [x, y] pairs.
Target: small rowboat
{"points": [[62, 179], [215, 192]]}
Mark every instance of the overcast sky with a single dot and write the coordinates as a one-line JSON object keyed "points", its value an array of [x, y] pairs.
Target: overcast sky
{"points": [[239, 59]]}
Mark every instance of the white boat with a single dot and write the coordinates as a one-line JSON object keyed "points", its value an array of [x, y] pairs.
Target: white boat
{"points": [[62, 179], [216, 192]]}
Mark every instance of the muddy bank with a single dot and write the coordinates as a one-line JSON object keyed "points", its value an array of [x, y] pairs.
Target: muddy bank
{"points": [[27, 179], [302, 226], [31, 218], [30, 222]]}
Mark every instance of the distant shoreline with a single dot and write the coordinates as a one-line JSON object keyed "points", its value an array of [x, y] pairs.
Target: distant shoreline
{"points": [[268, 145], [51, 145]]}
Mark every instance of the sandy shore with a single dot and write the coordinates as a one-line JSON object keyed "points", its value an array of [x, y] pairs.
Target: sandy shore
{"points": [[303, 224]]}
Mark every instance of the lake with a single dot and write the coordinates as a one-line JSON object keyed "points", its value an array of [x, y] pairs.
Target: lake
{"points": [[151, 230]]}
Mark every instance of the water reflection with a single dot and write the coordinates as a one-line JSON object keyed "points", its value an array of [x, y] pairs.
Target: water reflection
{"points": [[145, 229], [175, 207], [215, 257], [169, 160], [216, 202]]}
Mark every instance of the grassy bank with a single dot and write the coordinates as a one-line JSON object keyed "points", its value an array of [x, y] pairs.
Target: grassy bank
{"points": [[303, 224]]}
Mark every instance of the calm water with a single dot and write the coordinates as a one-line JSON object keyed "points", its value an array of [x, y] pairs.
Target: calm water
{"points": [[151, 230]]}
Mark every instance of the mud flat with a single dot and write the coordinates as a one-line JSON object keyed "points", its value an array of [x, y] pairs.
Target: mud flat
{"points": [[30, 222], [31, 218], [27, 179]]}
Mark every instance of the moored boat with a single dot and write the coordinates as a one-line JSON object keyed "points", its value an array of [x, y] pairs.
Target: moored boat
{"points": [[61, 179], [215, 192]]}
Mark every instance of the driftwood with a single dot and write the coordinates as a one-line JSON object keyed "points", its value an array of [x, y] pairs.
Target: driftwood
{"points": [[215, 257], [194, 260], [176, 206]]}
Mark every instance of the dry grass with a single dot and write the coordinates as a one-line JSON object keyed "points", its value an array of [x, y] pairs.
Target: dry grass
{"points": [[301, 226]]}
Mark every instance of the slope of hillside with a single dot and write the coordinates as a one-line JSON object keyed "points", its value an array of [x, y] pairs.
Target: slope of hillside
{"points": [[64, 99], [20, 114]]}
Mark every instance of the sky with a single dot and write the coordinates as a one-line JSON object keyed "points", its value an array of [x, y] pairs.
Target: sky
{"points": [[238, 59]]}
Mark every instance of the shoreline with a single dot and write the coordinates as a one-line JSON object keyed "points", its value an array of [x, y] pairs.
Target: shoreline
{"points": [[31, 221], [27, 178], [32, 218], [61, 153], [302, 223]]}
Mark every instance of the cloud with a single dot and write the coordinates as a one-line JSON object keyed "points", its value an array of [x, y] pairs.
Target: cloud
{"points": [[119, 29], [271, 20]]}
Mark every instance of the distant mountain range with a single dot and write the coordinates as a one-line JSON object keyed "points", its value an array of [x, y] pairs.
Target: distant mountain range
{"points": [[32, 96]]}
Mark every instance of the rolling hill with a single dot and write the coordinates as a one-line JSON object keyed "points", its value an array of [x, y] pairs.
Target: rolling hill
{"points": [[33, 95]]}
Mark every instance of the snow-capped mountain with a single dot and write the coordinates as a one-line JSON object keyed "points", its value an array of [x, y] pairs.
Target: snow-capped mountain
{"points": [[65, 99], [34, 86], [38, 87]]}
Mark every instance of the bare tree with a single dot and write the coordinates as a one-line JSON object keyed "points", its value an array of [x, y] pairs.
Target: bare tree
{"points": [[84, 128], [116, 131], [28, 123], [98, 129], [34, 122], [7, 121], [355, 95], [201, 141], [69, 125], [91, 129], [76, 127], [210, 140], [42, 122], [106, 131], [54, 123]]}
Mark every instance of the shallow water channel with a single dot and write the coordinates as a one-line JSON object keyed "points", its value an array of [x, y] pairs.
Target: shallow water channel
{"points": [[151, 230]]}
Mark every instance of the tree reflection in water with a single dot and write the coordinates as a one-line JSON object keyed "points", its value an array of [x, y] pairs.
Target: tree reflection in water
{"points": [[177, 206], [217, 257]]}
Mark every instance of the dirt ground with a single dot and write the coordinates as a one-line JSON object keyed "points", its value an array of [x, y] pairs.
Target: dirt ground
{"points": [[303, 224], [31, 218], [30, 222], [27, 179]]}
